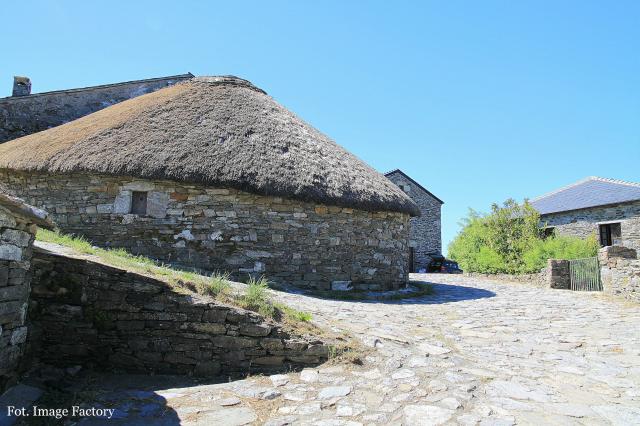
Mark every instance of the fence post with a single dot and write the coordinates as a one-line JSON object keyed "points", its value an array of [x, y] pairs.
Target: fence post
{"points": [[558, 274]]}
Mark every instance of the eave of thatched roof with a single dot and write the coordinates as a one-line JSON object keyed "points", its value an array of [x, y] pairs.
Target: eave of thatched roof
{"points": [[217, 131]]}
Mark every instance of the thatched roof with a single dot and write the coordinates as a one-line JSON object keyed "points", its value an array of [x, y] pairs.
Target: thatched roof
{"points": [[218, 131]]}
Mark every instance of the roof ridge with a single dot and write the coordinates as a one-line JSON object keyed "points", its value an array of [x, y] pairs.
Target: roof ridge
{"points": [[231, 80], [188, 75], [581, 181], [618, 181], [414, 181]]}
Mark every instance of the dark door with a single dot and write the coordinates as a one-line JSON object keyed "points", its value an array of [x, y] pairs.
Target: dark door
{"points": [[139, 203], [605, 235], [411, 266]]}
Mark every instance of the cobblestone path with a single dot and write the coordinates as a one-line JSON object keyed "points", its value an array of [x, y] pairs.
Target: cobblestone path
{"points": [[476, 352]]}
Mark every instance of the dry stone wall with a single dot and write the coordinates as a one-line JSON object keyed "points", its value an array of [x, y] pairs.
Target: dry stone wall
{"points": [[620, 272], [16, 238], [554, 275], [425, 231], [87, 313], [583, 223], [23, 115], [539, 279], [215, 229]]}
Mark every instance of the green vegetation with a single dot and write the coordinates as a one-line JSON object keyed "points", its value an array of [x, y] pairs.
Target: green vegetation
{"points": [[291, 313], [559, 248], [510, 240], [255, 298]]}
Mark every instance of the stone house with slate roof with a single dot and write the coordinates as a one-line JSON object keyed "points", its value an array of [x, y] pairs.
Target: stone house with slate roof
{"points": [[608, 208], [24, 112], [212, 173], [425, 230]]}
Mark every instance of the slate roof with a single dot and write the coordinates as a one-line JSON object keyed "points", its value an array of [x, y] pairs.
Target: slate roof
{"points": [[178, 77], [414, 182], [589, 192]]}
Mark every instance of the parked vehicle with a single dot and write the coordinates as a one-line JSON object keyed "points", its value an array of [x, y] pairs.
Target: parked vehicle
{"points": [[440, 264], [450, 267], [436, 262]]}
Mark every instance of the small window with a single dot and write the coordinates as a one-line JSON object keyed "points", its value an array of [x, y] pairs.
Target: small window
{"points": [[549, 232], [610, 234], [139, 203]]}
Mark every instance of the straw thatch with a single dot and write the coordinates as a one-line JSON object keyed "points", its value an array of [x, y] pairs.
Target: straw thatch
{"points": [[218, 131]]}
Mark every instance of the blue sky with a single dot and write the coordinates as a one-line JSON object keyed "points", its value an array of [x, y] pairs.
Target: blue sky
{"points": [[478, 101]]}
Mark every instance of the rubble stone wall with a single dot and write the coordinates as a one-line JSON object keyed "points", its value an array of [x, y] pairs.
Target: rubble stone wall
{"points": [[16, 239], [585, 222], [620, 272], [226, 230], [555, 275], [425, 231], [87, 313]]}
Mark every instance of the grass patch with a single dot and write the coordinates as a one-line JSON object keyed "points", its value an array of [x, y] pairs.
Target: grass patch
{"points": [[293, 313], [79, 244], [258, 299], [255, 298]]}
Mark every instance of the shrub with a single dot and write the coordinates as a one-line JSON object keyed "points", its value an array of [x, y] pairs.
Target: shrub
{"points": [[509, 240], [559, 247]]}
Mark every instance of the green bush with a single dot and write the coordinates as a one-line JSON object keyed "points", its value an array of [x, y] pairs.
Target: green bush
{"points": [[510, 240], [559, 247]]}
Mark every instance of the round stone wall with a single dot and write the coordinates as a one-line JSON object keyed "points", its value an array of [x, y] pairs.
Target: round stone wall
{"points": [[226, 230]]}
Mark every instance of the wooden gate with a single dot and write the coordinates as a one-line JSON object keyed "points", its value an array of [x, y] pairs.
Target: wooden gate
{"points": [[585, 274]]}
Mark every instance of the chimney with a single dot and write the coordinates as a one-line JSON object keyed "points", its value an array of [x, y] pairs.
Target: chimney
{"points": [[21, 86]]}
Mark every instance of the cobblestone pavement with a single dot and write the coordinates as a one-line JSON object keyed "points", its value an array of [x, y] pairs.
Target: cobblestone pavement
{"points": [[476, 352]]}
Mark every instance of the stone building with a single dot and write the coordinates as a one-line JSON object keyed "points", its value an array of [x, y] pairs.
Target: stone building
{"points": [[607, 208], [24, 113], [212, 173], [18, 223], [425, 230]]}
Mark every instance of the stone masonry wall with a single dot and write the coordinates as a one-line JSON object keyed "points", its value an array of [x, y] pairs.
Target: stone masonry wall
{"points": [[16, 239], [554, 275], [425, 231], [558, 275], [537, 279], [87, 313], [620, 272], [303, 244], [23, 115], [582, 223]]}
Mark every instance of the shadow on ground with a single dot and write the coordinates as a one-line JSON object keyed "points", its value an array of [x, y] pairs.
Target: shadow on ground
{"points": [[135, 399], [438, 294], [447, 293]]}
